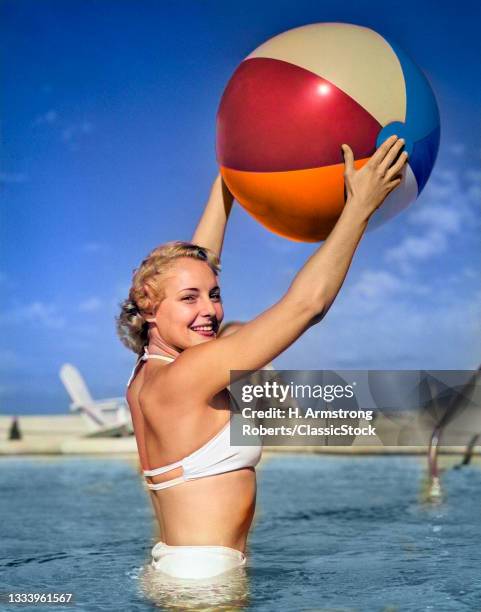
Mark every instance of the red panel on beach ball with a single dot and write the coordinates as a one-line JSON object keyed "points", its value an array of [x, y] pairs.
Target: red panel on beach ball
{"points": [[275, 116]]}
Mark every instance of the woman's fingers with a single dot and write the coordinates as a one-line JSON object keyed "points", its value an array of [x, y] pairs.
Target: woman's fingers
{"points": [[395, 183], [391, 155], [397, 167], [370, 184], [348, 157], [381, 153]]}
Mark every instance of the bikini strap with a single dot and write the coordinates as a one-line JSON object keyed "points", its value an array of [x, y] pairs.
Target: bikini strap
{"points": [[134, 371], [165, 485], [164, 469], [147, 355], [144, 357]]}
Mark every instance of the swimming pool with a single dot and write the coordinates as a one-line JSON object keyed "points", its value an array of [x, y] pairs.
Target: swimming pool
{"points": [[343, 533]]}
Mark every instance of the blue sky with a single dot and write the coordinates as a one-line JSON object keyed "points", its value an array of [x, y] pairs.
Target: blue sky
{"points": [[108, 133]]}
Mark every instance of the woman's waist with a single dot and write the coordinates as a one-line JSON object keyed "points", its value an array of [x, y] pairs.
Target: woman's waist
{"points": [[215, 510], [234, 539]]}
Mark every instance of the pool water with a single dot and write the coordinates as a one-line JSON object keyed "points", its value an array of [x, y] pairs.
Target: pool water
{"points": [[331, 533]]}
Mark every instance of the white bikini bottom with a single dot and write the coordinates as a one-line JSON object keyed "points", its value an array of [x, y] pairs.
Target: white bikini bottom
{"points": [[195, 562]]}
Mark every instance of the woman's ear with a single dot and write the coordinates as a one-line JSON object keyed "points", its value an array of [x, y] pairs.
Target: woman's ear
{"points": [[149, 306], [151, 294]]}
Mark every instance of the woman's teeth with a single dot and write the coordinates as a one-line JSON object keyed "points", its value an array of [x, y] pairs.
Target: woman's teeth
{"points": [[205, 330]]}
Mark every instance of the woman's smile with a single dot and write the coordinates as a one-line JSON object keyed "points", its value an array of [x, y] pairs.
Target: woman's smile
{"points": [[207, 330]]}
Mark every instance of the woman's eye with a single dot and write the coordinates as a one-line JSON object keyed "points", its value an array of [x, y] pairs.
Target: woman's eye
{"points": [[215, 296], [188, 298]]}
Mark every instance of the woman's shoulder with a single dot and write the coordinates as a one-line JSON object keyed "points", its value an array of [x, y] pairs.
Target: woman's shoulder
{"points": [[162, 388]]}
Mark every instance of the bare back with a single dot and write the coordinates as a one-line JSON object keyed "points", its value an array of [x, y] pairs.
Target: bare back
{"points": [[214, 510]]}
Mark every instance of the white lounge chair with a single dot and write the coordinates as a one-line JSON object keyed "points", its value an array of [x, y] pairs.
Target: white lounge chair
{"points": [[106, 417]]}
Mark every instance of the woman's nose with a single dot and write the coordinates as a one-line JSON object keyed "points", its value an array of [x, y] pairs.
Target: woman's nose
{"points": [[208, 308]]}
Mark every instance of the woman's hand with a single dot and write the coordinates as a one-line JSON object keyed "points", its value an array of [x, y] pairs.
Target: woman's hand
{"points": [[368, 187]]}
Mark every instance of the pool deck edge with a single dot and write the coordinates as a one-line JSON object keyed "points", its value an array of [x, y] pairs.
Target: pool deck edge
{"points": [[127, 446]]}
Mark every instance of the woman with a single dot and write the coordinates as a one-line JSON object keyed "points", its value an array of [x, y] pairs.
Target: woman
{"points": [[203, 489]]}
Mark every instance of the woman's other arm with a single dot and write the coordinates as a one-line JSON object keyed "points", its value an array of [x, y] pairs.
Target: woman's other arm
{"points": [[210, 230], [206, 368], [323, 274]]}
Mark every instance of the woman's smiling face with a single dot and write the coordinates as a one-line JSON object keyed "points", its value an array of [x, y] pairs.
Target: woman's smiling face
{"points": [[191, 311]]}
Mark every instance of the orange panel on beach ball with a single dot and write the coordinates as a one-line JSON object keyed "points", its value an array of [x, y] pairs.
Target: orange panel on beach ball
{"points": [[302, 205]]}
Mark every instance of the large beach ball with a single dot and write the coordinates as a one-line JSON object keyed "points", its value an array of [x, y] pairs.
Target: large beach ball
{"points": [[291, 104]]}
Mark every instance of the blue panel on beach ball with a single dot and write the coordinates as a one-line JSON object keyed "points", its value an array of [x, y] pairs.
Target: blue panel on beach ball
{"points": [[422, 113], [423, 156]]}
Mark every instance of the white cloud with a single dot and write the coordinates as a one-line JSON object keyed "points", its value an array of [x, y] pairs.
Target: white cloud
{"points": [[36, 313], [376, 287], [94, 247], [400, 334], [447, 209], [437, 217], [376, 284], [92, 304], [44, 314], [417, 248]]}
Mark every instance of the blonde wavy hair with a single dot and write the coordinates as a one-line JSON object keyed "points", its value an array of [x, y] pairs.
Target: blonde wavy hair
{"points": [[146, 291]]}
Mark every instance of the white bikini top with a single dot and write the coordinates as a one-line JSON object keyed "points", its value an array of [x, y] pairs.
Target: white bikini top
{"points": [[216, 456]]}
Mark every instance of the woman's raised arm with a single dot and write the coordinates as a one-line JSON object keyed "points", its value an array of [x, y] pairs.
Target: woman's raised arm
{"points": [[210, 230], [205, 369]]}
